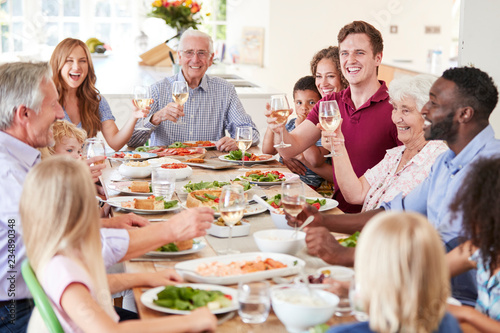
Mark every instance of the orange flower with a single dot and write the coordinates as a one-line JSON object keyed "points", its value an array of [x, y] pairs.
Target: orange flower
{"points": [[177, 3], [195, 8]]}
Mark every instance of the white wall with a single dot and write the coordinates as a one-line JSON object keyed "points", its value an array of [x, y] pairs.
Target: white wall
{"points": [[479, 44], [296, 29]]}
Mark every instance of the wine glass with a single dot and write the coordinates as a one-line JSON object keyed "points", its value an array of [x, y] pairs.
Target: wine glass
{"points": [[94, 147], [244, 141], [329, 118], [142, 99], [232, 203], [180, 94], [280, 110], [293, 197]]}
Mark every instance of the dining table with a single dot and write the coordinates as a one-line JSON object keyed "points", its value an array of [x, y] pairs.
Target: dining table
{"points": [[227, 322]]}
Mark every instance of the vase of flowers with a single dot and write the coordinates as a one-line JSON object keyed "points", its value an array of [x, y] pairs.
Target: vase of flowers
{"points": [[180, 15]]}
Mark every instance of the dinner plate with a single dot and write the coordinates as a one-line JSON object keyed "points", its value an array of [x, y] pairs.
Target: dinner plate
{"points": [[124, 187], [288, 176], [116, 202], [188, 268], [144, 156], [271, 158], [329, 204], [148, 296], [250, 210], [206, 147], [197, 247]]}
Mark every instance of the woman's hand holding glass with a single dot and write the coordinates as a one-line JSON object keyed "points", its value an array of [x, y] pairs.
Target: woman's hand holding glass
{"points": [[142, 101]]}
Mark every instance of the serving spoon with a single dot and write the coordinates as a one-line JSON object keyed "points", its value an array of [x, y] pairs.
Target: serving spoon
{"points": [[264, 203]]}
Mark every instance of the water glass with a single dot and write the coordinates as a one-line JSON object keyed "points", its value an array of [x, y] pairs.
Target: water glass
{"points": [[163, 183], [356, 302], [345, 277], [254, 299]]}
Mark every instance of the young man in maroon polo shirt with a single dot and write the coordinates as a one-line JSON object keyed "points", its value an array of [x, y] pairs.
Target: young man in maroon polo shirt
{"points": [[364, 107]]}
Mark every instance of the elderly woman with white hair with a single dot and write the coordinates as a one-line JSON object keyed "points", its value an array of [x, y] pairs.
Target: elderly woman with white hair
{"points": [[403, 167]]}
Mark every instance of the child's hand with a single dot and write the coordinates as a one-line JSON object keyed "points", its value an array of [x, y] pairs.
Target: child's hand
{"points": [[163, 278], [202, 320]]}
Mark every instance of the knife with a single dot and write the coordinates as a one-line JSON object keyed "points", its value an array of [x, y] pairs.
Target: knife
{"points": [[171, 57]]}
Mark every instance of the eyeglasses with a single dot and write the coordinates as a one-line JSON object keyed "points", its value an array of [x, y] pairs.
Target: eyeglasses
{"points": [[202, 54]]}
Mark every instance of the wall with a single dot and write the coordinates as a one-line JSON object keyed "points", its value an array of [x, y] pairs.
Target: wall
{"points": [[479, 45], [296, 29]]}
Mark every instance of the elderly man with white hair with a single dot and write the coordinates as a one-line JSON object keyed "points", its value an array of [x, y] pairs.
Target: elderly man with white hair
{"points": [[212, 106]]}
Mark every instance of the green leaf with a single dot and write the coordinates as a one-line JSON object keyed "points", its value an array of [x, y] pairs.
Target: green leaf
{"points": [[199, 197], [170, 204], [177, 144], [170, 247], [210, 196]]}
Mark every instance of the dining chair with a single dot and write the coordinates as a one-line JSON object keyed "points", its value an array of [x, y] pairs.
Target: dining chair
{"points": [[42, 302]]}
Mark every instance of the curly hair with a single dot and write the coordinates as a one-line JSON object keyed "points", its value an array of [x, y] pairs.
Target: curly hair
{"points": [[475, 88], [87, 94], [64, 129], [306, 83], [362, 27], [481, 216], [332, 53]]}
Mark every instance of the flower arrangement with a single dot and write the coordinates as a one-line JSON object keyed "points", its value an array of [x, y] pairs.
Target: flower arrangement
{"points": [[180, 14]]}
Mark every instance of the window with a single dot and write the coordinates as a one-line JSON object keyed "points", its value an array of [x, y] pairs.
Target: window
{"points": [[215, 24]]}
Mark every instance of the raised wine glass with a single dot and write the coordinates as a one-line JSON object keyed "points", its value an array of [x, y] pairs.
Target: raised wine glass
{"points": [[329, 118], [244, 141], [93, 147], [293, 197], [142, 99], [232, 204], [280, 110], [180, 94]]}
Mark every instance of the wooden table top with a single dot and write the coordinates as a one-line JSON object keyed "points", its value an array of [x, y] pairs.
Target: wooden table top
{"points": [[244, 244]]}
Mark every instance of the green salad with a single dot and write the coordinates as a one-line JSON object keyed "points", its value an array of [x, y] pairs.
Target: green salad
{"points": [[145, 149], [236, 155], [276, 202], [350, 241], [178, 144], [187, 298], [190, 187]]}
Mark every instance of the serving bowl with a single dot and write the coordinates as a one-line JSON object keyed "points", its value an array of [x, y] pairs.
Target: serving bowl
{"points": [[279, 241], [299, 308], [280, 221], [135, 169]]}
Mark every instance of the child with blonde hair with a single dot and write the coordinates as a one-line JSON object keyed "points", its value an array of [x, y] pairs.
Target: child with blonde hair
{"points": [[69, 139], [64, 248]]}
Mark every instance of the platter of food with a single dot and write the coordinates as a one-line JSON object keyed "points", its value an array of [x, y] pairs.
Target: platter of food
{"points": [[244, 267], [178, 249], [236, 157], [209, 163], [210, 198], [132, 187], [178, 153], [130, 156], [205, 144], [183, 298], [267, 177], [141, 205], [322, 204]]}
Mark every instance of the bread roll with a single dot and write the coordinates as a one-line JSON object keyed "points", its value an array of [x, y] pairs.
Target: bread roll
{"points": [[139, 187]]}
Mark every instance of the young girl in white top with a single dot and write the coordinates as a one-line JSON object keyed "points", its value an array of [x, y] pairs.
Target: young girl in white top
{"points": [[61, 232]]}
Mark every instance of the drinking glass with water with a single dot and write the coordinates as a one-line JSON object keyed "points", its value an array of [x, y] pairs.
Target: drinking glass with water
{"points": [[163, 183], [254, 299]]}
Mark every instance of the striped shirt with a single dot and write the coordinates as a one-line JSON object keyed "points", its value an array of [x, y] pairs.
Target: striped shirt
{"points": [[488, 288], [212, 108]]}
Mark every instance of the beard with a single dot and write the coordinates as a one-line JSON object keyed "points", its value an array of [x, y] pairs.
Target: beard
{"points": [[443, 130]]}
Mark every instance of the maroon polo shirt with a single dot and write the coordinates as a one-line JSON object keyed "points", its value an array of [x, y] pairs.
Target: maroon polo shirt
{"points": [[368, 132]]}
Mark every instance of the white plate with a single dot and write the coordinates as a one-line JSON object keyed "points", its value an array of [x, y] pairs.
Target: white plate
{"points": [[197, 247], [183, 189], [124, 187], [343, 272], [148, 296], [207, 148], [288, 176], [223, 232], [116, 202], [188, 268], [329, 204], [250, 210], [223, 158], [144, 156]]}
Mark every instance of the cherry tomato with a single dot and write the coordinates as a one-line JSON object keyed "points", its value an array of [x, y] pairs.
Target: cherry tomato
{"points": [[246, 158], [216, 200], [317, 205], [229, 297], [274, 205]]}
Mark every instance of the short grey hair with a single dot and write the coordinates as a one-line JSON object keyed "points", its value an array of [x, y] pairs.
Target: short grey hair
{"points": [[196, 33], [20, 85], [416, 87]]}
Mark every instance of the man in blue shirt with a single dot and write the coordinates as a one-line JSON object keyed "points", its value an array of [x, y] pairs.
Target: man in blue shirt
{"points": [[212, 107], [460, 103]]}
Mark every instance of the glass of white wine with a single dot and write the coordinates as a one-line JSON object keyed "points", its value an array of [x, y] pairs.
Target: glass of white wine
{"points": [[244, 141], [280, 110], [232, 204], [94, 147], [293, 197], [329, 118], [180, 94], [142, 99]]}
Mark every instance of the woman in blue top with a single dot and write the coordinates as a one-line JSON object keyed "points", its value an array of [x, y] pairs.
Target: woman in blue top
{"points": [[74, 77], [402, 280], [479, 205]]}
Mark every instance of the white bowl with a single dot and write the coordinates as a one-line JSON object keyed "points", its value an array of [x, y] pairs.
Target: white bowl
{"points": [[293, 307], [279, 241], [280, 221], [134, 171], [223, 232]]}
